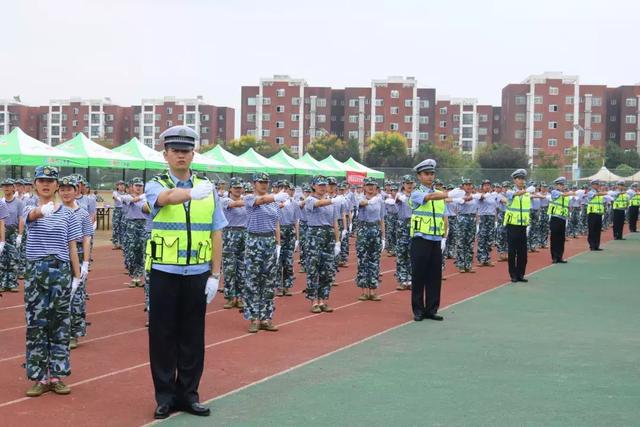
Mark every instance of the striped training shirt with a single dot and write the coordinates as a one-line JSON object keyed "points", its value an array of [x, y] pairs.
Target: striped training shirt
{"points": [[15, 207], [52, 235], [85, 222], [237, 217], [260, 219], [4, 210]]}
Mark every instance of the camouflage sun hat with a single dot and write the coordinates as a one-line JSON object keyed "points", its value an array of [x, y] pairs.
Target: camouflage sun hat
{"points": [[393, 186], [319, 180], [8, 181], [486, 181], [68, 180], [331, 180], [261, 177], [248, 188], [285, 184], [306, 187], [370, 181], [137, 181], [408, 179], [236, 182], [466, 181], [46, 172], [450, 187]]}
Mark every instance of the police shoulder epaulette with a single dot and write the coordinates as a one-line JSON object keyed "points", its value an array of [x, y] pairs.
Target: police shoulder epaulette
{"points": [[163, 179]]}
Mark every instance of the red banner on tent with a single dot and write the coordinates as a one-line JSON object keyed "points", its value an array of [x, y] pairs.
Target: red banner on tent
{"points": [[355, 178]]}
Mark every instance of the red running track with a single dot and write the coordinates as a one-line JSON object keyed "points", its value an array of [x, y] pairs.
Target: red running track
{"points": [[110, 377]]}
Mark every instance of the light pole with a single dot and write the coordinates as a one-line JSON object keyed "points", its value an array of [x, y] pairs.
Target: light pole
{"points": [[576, 164]]}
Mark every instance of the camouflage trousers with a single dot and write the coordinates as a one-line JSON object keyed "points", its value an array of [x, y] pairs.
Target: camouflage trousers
{"points": [[22, 254], [583, 219], [403, 256], [260, 276], [320, 264], [47, 295], [572, 223], [607, 218], [118, 227], [10, 260], [391, 232], [146, 274], [303, 243], [543, 228], [450, 248], [486, 234], [532, 238], [465, 237], [134, 247], [344, 244], [501, 234], [368, 248], [233, 246], [285, 262], [78, 327]]}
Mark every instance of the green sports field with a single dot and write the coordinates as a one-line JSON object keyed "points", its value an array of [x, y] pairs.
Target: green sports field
{"points": [[562, 350]]}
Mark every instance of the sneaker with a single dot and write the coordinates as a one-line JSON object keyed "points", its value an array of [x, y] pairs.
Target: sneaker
{"points": [[374, 297], [315, 308], [37, 389], [400, 288], [287, 293], [229, 304], [73, 343], [132, 284], [302, 270], [240, 304], [14, 290], [268, 326], [253, 327], [326, 308], [363, 297], [59, 387], [139, 283]]}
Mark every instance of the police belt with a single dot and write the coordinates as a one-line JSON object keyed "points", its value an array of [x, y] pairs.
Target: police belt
{"points": [[467, 215], [235, 228], [136, 219], [370, 222], [52, 261], [492, 215], [117, 207], [12, 227], [267, 234], [321, 226], [287, 226]]}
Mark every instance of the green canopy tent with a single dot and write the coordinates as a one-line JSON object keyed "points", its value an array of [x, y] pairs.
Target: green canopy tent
{"points": [[318, 167], [134, 148], [266, 165], [19, 149], [358, 167], [300, 168], [239, 165], [99, 156], [206, 164], [331, 163]]}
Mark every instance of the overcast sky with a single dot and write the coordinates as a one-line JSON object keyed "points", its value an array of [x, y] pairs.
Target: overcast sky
{"points": [[129, 50]]}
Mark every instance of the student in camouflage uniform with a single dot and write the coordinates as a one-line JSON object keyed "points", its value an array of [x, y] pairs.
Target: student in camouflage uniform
{"points": [[501, 229], [49, 286], [466, 229], [134, 248], [68, 190], [574, 215], [391, 219], [403, 255], [233, 244], [14, 228], [369, 240], [323, 244], [451, 212], [534, 215], [344, 241], [582, 228], [306, 191], [340, 211], [288, 217], [262, 250], [487, 207], [4, 215], [117, 232], [543, 226]]}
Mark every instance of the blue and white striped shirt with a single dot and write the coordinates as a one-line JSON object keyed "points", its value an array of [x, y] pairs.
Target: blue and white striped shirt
{"points": [[318, 216], [85, 222], [289, 214], [52, 235], [262, 218], [237, 217], [4, 210], [15, 207], [88, 203]]}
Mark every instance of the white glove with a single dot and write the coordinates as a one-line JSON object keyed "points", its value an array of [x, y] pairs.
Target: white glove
{"points": [[476, 196], [281, 197], [456, 193], [1, 247], [126, 199], [338, 200], [531, 189], [443, 243], [458, 200], [343, 234], [202, 190], [336, 249], [278, 247], [75, 282], [18, 241], [295, 245], [287, 202], [390, 201], [580, 193], [528, 228], [47, 209], [402, 197], [142, 197], [84, 270], [211, 288], [350, 227], [384, 244]]}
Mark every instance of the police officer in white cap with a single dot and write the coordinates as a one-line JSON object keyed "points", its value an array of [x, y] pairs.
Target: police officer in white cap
{"points": [[516, 220], [184, 253], [558, 211]]}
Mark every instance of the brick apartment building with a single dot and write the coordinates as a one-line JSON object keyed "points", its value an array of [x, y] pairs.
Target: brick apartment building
{"points": [[623, 116], [63, 119]]}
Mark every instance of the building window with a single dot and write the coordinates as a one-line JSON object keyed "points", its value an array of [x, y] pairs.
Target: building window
{"points": [[147, 118], [394, 110], [596, 136], [629, 136], [612, 135], [295, 100], [408, 119], [537, 134], [614, 101], [294, 133], [482, 131], [537, 117], [467, 132], [596, 118], [520, 117], [423, 136], [519, 134], [280, 124], [630, 102], [353, 134], [596, 101], [612, 118], [279, 93], [483, 118], [552, 142], [321, 118], [251, 100], [266, 117], [170, 123], [204, 118], [204, 130], [456, 118], [553, 108], [333, 118], [266, 133], [251, 118], [442, 137], [568, 117], [553, 90], [537, 100], [456, 131], [568, 100], [379, 102], [251, 132], [155, 128], [521, 100], [353, 118], [279, 140], [496, 131], [74, 123], [567, 151], [395, 94], [568, 134], [321, 102], [295, 117], [76, 111], [424, 120], [170, 109], [423, 103], [443, 110], [630, 118], [553, 125], [279, 108], [353, 102], [408, 135], [393, 126], [379, 118], [467, 119], [443, 123], [266, 101], [85, 118]]}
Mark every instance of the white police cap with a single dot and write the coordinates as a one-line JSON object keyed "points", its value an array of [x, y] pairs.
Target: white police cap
{"points": [[620, 182], [560, 180], [426, 165], [179, 136], [595, 182], [520, 173]]}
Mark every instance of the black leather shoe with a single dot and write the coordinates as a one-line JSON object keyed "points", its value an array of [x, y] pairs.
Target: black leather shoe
{"points": [[434, 317], [196, 408], [561, 261], [522, 279], [162, 412], [418, 318], [514, 280], [598, 249]]}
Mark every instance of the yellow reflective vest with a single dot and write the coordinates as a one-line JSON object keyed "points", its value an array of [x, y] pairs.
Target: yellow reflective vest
{"points": [[559, 206], [517, 212], [596, 205], [428, 218], [621, 202], [635, 200], [181, 234]]}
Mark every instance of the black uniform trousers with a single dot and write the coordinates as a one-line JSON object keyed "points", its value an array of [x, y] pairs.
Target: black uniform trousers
{"points": [[557, 228], [633, 218], [517, 244], [618, 223], [594, 227], [176, 335], [426, 276]]}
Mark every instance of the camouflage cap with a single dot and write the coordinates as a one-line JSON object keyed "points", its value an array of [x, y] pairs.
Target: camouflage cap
{"points": [[408, 179], [285, 184], [331, 180], [8, 181], [236, 182], [137, 181], [306, 187], [248, 188], [466, 181], [370, 181], [261, 177], [46, 172], [486, 181], [68, 180], [319, 180]]}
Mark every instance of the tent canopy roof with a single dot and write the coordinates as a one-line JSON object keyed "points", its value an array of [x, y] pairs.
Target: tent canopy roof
{"points": [[99, 156], [19, 149]]}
